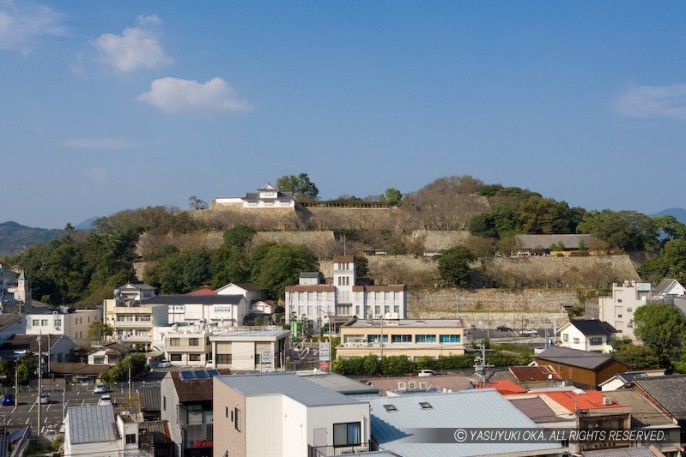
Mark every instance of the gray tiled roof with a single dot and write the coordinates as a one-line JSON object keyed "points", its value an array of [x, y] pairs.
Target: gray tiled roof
{"points": [[92, 424], [590, 327], [575, 357], [570, 241], [288, 384], [668, 391]]}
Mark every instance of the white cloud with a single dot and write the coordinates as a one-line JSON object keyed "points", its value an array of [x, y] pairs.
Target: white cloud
{"points": [[137, 47], [643, 102], [95, 174], [98, 143], [174, 95], [23, 24]]}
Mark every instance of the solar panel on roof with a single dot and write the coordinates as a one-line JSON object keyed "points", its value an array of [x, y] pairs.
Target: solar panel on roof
{"points": [[200, 374], [186, 375], [211, 373]]}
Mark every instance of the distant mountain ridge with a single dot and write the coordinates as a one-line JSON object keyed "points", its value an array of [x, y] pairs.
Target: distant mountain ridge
{"points": [[14, 237], [678, 213]]}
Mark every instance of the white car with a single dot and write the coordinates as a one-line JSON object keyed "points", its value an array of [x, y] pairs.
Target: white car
{"points": [[105, 400], [101, 389], [530, 332], [424, 373], [164, 364], [44, 399]]}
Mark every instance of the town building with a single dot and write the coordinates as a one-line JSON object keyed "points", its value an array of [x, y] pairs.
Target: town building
{"points": [[412, 338], [346, 296], [250, 348], [63, 321], [584, 368], [52, 348], [94, 430], [133, 321], [555, 244], [186, 405], [220, 309], [107, 354], [587, 335], [282, 414], [266, 196], [619, 308]]}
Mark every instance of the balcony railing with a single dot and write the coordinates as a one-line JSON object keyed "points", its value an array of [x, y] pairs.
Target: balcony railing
{"points": [[325, 451]]}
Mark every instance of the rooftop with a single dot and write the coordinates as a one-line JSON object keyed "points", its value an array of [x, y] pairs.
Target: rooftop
{"points": [[590, 327], [92, 424], [668, 391], [193, 300], [193, 390], [296, 387], [407, 323], [575, 357]]}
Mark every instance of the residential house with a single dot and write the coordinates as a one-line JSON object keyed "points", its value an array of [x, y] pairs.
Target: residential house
{"points": [[621, 380], [282, 414], [250, 348], [108, 354], [187, 399], [412, 338], [52, 348], [10, 324], [135, 291], [94, 430], [555, 244], [76, 373], [397, 423], [587, 335], [266, 196], [669, 288], [346, 297], [63, 321], [219, 310], [668, 394], [584, 368]]}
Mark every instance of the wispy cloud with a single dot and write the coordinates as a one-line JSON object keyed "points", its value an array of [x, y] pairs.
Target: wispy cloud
{"points": [[645, 102], [95, 174], [173, 95], [136, 48], [98, 143], [24, 23]]}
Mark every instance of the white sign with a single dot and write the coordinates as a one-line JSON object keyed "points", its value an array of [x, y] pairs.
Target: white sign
{"points": [[178, 309], [266, 358], [324, 351]]}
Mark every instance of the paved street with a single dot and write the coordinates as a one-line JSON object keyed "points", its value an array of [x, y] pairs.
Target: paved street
{"points": [[25, 412]]}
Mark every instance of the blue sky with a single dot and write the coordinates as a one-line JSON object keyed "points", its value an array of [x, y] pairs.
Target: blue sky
{"points": [[115, 105]]}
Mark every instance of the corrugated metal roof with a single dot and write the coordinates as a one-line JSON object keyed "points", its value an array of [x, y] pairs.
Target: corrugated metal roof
{"points": [[92, 424], [289, 384], [467, 409]]}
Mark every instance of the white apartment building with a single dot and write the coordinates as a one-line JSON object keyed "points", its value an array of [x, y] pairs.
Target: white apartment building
{"points": [[221, 310], [618, 309], [250, 348], [282, 414], [344, 297], [73, 324]]}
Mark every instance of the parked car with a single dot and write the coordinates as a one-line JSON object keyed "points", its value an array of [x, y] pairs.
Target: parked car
{"points": [[8, 400], [423, 373], [504, 328], [164, 364], [101, 389], [530, 332], [43, 399], [105, 400]]}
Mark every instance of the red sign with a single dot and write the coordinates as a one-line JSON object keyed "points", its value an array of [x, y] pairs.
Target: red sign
{"points": [[324, 365], [202, 443]]}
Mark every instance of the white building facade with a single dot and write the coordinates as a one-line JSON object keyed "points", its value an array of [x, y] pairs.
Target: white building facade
{"points": [[618, 309], [71, 324]]}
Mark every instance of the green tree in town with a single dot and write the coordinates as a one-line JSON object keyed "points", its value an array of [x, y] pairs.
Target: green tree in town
{"points": [[627, 230], [301, 186], [120, 371], [100, 330], [662, 329], [453, 265], [671, 263], [27, 369], [637, 357]]}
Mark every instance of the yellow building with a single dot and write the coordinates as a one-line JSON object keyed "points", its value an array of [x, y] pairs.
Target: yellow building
{"points": [[413, 338]]}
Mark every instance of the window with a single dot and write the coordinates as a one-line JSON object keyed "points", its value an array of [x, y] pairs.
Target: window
{"points": [[596, 341], [164, 403], [174, 341], [193, 342], [629, 310], [175, 357], [401, 338], [237, 419], [449, 338], [44, 323], [98, 360], [347, 434], [576, 340], [194, 357], [224, 359], [619, 300], [35, 323], [131, 439], [377, 338], [565, 337], [425, 339], [227, 411]]}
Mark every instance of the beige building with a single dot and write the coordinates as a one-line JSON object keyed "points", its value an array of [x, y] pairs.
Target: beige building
{"points": [[133, 322], [282, 414], [188, 346], [249, 348], [413, 338], [72, 324]]}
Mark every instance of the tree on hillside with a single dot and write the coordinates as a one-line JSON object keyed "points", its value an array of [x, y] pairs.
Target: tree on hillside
{"points": [[501, 221], [661, 328], [301, 186], [392, 196], [671, 228], [181, 272], [670, 264], [230, 262], [627, 230], [453, 265], [277, 265], [196, 203], [545, 216]]}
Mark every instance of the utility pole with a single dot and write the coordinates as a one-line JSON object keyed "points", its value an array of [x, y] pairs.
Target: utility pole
{"points": [[382, 338], [129, 380], [480, 366], [16, 382], [40, 381]]}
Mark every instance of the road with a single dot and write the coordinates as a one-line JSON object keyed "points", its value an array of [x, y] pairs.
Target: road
{"points": [[25, 412]]}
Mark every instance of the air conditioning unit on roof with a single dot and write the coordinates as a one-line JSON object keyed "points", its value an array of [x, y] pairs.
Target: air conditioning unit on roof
{"points": [[402, 385], [607, 401]]}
